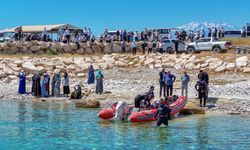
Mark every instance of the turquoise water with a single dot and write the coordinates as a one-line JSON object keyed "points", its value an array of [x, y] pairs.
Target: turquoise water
{"points": [[46, 126]]}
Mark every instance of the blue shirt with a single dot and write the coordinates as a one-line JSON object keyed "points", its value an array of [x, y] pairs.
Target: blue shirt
{"points": [[169, 79], [185, 79]]}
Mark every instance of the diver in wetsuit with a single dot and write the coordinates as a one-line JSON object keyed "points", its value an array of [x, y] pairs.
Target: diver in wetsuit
{"points": [[163, 114], [151, 91], [202, 88], [143, 97]]}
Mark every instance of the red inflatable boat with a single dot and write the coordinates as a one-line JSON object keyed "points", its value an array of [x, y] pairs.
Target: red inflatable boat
{"points": [[147, 115]]}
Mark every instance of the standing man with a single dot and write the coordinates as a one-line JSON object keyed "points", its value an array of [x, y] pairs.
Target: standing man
{"points": [[176, 45], [162, 83], [204, 76], [45, 34], [185, 79], [150, 47], [144, 45], [67, 34], [123, 46], [169, 81], [134, 47], [202, 88]]}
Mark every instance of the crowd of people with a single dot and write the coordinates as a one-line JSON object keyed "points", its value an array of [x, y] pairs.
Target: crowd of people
{"points": [[43, 86], [67, 35]]}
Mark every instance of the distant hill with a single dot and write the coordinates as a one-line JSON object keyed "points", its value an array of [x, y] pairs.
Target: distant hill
{"points": [[196, 26]]}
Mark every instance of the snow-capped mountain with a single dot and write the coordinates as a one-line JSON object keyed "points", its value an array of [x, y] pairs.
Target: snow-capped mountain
{"points": [[195, 26]]}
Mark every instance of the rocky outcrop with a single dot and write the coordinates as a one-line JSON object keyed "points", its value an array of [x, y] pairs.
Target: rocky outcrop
{"points": [[192, 108], [87, 104], [78, 66]]}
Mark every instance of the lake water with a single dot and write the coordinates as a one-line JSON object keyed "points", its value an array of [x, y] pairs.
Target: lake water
{"points": [[47, 126]]}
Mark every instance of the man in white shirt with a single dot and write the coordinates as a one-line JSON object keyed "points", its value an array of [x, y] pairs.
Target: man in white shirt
{"points": [[67, 34]]}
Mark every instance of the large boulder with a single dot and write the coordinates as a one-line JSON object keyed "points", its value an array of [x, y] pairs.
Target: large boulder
{"points": [[35, 48], [68, 61], [83, 45], [88, 104], [3, 74], [65, 48], [190, 66], [246, 70], [34, 42], [88, 51], [168, 65], [221, 68], [23, 49], [73, 46], [116, 48], [215, 64], [230, 66], [192, 108], [80, 51], [27, 44], [108, 49], [29, 67], [241, 61], [42, 44], [81, 75], [149, 61], [8, 71], [5, 47], [1, 48], [40, 69], [96, 49]]}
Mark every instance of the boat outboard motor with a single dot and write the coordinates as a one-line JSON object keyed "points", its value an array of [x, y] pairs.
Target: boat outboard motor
{"points": [[122, 111], [77, 93]]}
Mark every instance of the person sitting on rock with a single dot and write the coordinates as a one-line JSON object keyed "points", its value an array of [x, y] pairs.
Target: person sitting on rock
{"points": [[146, 98], [77, 93]]}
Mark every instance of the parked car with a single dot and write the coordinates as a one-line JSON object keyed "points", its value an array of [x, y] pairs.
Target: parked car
{"points": [[169, 46], [205, 44]]}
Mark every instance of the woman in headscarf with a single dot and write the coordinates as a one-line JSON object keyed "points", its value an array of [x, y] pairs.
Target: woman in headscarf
{"points": [[66, 89], [45, 85], [91, 75], [99, 82], [22, 82], [53, 85], [36, 86], [56, 91]]}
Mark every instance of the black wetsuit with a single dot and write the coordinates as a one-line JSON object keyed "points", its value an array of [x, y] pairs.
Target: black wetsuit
{"points": [[162, 84], [163, 114], [140, 98], [204, 76], [201, 87]]}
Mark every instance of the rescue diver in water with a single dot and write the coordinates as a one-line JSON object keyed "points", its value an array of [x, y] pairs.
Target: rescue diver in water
{"points": [[163, 113]]}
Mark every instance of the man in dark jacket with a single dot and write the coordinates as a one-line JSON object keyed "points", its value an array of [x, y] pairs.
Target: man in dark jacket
{"points": [[201, 88], [204, 76], [163, 114], [162, 83], [143, 97]]}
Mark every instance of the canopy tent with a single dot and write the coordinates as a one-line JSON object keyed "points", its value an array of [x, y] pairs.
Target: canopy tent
{"points": [[40, 28]]}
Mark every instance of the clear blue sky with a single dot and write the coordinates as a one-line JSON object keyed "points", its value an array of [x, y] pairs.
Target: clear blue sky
{"points": [[126, 14]]}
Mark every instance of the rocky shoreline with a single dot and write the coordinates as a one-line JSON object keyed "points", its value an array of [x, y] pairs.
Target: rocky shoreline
{"points": [[228, 92]]}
